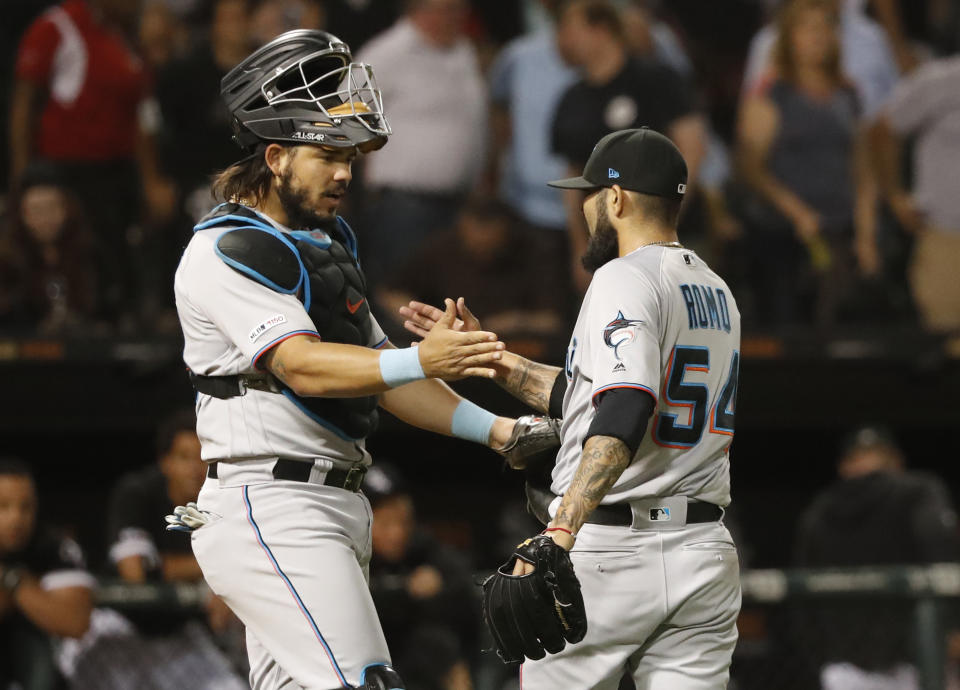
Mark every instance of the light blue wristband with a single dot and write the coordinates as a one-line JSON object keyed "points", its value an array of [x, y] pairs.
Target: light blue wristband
{"points": [[472, 423], [401, 366]]}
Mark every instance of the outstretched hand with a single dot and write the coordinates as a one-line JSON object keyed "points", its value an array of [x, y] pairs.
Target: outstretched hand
{"points": [[450, 353], [419, 318]]}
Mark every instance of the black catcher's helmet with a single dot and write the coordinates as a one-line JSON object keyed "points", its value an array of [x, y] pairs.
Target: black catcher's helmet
{"points": [[304, 88]]}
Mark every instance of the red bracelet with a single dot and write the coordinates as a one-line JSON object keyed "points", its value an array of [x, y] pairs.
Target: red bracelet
{"points": [[560, 529]]}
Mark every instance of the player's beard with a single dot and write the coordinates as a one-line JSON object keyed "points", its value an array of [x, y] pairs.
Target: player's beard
{"points": [[295, 204], [604, 246]]}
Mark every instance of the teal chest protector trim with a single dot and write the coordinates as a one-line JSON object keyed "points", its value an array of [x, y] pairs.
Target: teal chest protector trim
{"points": [[323, 273]]}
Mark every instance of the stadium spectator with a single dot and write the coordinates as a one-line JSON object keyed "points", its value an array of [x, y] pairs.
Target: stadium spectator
{"points": [[47, 273], [356, 21], [649, 36], [77, 92], [272, 17], [889, 15], [489, 261], [527, 81], [160, 36], [141, 549], [616, 91], [195, 131], [430, 77], [876, 513], [918, 29], [865, 57], [167, 649], [194, 135], [17, 16], [45, 589], [422, 589], [925, 107], [802, 154]]}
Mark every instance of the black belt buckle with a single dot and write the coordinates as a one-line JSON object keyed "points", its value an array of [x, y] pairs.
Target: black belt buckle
{"points": [[257, 382], [354, 478]]}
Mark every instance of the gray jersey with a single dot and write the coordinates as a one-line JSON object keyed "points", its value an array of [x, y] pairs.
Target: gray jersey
{"points": [[658, 320], [229, 321]]}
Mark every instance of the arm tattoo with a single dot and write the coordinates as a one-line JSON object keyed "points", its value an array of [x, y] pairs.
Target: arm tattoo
{"points": [[604, 460], [531, 383], [273, 362]]}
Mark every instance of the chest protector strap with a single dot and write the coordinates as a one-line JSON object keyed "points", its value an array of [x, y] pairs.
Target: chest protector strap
{"points": [[322, 272]]}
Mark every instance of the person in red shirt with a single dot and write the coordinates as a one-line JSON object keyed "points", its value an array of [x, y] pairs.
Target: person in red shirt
{"points": [[78, 98]]}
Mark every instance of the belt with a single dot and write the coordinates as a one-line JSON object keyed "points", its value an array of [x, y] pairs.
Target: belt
{"points": [[226, 387], [299, 471], [622, 514]]}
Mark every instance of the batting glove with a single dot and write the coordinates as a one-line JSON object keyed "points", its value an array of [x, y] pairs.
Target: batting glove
{"points": [[187, 518]]}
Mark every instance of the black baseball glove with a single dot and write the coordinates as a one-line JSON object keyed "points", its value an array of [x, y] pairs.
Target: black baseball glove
{"points": [[529, 615]]}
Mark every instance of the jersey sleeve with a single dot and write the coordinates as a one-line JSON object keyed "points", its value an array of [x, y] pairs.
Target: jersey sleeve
{"points": [[624, 331], [927, 93], [37, 48], [377, 337], [251, 315]]}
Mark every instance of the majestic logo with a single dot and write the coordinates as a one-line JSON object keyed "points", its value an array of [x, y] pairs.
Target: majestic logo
{"points": [[619, 367], [353, 306], [621, 331], [308, 136], [612, 174]]}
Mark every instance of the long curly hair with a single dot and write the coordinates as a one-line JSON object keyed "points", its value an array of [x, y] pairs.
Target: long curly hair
{"points": [[783, 58], [247, 180]]}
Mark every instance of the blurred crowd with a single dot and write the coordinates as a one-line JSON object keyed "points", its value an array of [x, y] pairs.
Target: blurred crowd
{"points": [[821, 137], [54, 634]]}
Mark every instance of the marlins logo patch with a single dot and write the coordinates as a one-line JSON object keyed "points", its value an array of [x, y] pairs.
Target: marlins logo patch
{"points": [[620, 332]]}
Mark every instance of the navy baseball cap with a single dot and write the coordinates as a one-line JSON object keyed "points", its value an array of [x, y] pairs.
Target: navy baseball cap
{"points": [[641, 160]]}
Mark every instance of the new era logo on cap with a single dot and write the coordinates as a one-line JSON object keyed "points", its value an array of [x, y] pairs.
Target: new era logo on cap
{"points": [[612, 174]]}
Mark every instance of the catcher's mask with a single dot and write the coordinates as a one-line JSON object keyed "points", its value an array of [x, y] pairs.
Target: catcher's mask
{"points": [[304, 88]]}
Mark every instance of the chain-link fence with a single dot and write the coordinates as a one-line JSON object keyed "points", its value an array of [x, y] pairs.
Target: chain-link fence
{"points": [[840, 629], [845, 629]]}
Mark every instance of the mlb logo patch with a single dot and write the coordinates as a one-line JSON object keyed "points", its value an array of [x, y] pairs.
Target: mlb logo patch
{"points": [[275, 320], [660, 514]]}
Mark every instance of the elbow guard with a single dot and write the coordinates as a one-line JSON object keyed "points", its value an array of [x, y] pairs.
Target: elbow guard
{"points": [[555, 408], [623, 413]]}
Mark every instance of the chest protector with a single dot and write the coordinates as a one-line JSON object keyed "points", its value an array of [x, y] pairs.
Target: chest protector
{"points": [[322, 271]]}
